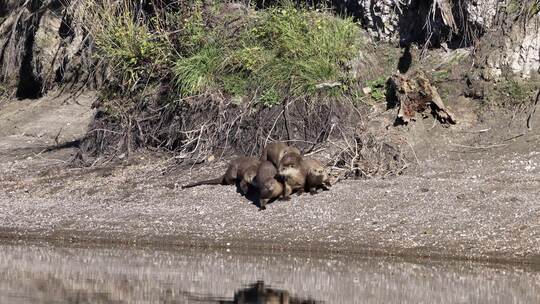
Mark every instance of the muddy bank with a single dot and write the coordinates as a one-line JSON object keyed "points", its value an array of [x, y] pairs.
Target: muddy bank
{"points": [[473, 194]]}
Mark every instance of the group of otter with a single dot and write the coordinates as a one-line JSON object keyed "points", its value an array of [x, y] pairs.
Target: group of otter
{"points": [[280, 171]]}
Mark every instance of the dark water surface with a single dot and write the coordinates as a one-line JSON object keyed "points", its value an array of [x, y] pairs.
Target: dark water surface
{"points": [[41, 273]]}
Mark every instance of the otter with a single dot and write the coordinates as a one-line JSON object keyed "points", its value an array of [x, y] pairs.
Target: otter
{"points": [[274, 152], [241, 170], [246, 174], [265, 181], [293, 174], [317, 175], [303, 174]]}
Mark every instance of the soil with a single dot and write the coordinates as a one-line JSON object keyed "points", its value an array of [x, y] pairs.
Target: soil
{"points": [[472, 191]]}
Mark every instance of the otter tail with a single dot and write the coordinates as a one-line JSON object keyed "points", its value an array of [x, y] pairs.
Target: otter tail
{"points": [[214, 181]]}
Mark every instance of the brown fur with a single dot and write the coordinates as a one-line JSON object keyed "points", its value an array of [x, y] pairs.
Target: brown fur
{"points": [[274, 152], [317, 175], [303, 174], [241, 170], [293, 174], [247, 172], [269, 187]]}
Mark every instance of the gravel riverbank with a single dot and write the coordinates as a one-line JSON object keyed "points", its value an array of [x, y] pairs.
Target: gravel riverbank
{"points": [[476, 208], [464, 199]]}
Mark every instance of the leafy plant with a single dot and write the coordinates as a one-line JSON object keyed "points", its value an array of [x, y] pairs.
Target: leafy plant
{"points": [[378, 88], [270, 97]]}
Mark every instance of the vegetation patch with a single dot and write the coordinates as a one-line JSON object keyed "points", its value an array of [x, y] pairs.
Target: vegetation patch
{"points": [[133, 51], [283, 51], [377, 89], [296, 51], [513, 92], [202, 80], [527, 8]]}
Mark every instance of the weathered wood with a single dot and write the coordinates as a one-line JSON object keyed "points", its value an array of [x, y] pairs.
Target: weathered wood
{"points": [[416, 95]]}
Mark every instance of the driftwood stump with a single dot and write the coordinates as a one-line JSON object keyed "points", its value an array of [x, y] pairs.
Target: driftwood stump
{"points": [[416, 95]]}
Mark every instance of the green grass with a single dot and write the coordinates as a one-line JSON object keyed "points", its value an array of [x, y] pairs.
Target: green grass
{"points": [[284, 51], [441, 75], [378, 88], [126, 42], [293, 50], [513, 92], [527, 7], [197, 73]]}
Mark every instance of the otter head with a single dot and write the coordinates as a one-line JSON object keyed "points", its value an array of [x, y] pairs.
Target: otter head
{"points": [[290, 164], [266, 189], [318, 172], [271, 189], [266, 186], [250, 174], [288, 150]]}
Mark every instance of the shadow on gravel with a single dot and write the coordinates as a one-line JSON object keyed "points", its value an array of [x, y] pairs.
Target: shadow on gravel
{"points": [[253, 196]]}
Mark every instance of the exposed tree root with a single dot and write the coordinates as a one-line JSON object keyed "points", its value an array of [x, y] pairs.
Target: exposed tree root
{"points": [[210, 127]]}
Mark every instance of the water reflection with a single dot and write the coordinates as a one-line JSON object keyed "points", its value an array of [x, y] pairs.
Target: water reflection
{"points": [[33, 273], [258, 293]]}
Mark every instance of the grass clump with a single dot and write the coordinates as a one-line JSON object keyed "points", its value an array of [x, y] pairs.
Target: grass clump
{"points": [[513, 92], [292, 51], [198, 55], [126, 42], [285, 51], [197, 74], [268, 55], [527, 8]]}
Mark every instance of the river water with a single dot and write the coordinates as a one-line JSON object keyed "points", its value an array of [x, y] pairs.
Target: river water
{"points": [[43, 273]]}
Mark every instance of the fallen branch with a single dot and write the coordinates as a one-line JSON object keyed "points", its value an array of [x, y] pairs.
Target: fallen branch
{"points": [[480, 147]]}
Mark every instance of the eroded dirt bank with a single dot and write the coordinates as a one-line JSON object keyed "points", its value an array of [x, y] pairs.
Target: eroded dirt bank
{"points": [[474, 193]]}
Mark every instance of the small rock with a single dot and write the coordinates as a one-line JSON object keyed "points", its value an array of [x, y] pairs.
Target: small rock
{"points": [[366, 90]]}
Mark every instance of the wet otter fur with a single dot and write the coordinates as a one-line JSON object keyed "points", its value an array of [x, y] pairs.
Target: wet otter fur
{"points": [[303, 174], [317, 175], [293, 174], [267, 184], [241, 170], [274, 152]]}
